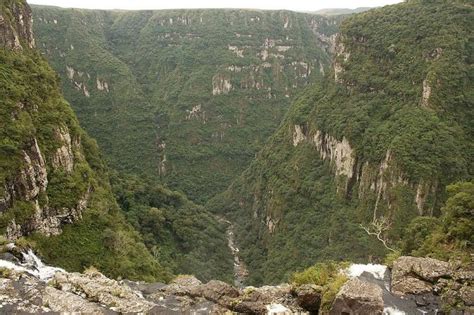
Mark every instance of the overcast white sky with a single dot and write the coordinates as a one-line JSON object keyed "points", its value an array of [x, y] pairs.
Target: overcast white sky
{"points": [[297, 5]]}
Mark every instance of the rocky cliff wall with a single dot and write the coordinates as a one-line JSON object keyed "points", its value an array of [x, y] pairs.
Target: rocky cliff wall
{"points": [[16, 26], [35, 160]]}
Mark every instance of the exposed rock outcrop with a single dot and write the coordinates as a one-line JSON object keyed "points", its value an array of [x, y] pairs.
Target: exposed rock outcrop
{"points": [[16, 29], [415, 275], [104, 291], [338, 152], [373, 178], [31, 184], [418, 276], [23, 288], [341, 57], [102, 85], [358, 297], [37, 160], [93, 293], [64, 156], [425, 97], [32, 178], [221, 85]]}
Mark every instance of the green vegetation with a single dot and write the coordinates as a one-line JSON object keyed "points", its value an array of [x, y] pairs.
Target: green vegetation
{"points": [[181, 235], [160, 67], [32, 111], [186, 99], [449, 236], [402, 100], [102, 239], [328, 275]]}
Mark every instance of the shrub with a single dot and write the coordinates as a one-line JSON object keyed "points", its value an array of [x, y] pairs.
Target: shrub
{"points": [[328, 275]]}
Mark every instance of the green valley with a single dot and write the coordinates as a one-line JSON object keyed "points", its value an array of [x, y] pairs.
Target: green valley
{"points": [[56, 194], [54, 186], [321, 162], [368, 150], [190, 94]]}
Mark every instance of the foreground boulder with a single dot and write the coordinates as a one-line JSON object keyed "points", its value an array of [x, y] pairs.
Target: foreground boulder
{"points": [[416, 275], [358, 297], [452, 283], [93, 293], [22, 293], [98, 288], [420, 284]]}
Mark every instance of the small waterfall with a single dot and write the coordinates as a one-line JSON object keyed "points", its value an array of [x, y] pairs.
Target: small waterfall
{"points": [[378, 271], [393, 304], [31, 264]]}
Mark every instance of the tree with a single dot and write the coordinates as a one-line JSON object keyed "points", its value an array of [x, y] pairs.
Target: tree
{"points": [[377, 228]]}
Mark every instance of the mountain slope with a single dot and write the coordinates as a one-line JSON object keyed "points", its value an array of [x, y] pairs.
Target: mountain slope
{"points": [[340, 11], [191, 94], [375, 144], [54, 186]]}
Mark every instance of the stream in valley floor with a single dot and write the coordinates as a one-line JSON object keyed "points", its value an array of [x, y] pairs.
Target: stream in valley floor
{"points": [[240, 270]]}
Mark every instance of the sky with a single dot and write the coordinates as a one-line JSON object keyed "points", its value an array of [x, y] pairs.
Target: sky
{"points": [[296, 5]]}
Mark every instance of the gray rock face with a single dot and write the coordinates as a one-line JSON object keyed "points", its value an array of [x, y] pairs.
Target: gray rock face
{"points": [[60, 301], [32, 179], [102, 290], [416, 275], [358, 297], [31, 184], [216, 291], [25, 190], [467, 295], [93, 293], [17, 31], [63, 158]]}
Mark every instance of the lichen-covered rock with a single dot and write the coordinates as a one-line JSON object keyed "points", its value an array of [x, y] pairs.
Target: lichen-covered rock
{"points": [[216, 291], [98, 288], [60, 301], [182, 285], [416, 275], [247, 307], [257, 300], [467, 295], [358, 297]]}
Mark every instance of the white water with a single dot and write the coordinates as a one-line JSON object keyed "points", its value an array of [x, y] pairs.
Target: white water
{"points": [[392, 311], [378, 271], [32, 265], [277, 309]]}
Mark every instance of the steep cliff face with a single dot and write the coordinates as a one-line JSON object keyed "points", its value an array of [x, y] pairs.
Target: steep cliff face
{"points": [[36, 161], [378, 141], [16, 25], [54, 188], [192, 94]]}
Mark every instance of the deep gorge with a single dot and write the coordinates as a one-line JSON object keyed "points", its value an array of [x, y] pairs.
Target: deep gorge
{"points": [[154, 158]]}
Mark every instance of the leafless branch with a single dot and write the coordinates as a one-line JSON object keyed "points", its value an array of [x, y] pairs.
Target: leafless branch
{"points": [[376, 228]]}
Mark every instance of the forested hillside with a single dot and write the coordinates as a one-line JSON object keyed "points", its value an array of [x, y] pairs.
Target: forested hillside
{"points": [[186, 97], [368, 150], [55, 194], [54, 187]]}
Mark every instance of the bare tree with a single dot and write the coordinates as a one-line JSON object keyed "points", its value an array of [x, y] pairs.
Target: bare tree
{"points": [[377, 228]]}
